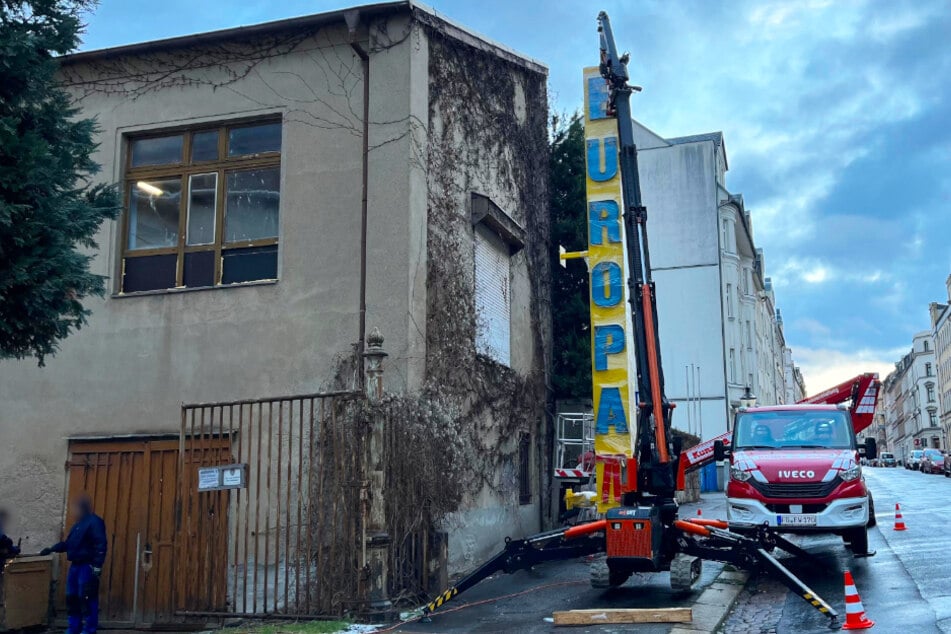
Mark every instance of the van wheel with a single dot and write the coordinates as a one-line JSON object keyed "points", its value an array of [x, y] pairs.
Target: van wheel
{"points": [[857, 540]]}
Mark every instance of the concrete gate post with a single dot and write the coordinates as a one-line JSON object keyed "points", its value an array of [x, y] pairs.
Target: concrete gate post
{"points": [[376, 540]]}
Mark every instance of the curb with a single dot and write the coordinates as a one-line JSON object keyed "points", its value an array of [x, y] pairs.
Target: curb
{"points": [[714, 603]]}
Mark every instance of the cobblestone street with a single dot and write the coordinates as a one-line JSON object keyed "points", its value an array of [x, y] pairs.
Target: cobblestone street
{"points": [[758, 610]]}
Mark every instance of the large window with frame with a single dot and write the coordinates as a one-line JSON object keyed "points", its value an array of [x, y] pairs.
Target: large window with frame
{"points": [[202, 207]]}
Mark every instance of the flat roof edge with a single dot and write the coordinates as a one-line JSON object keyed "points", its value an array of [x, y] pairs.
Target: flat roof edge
{"points": [[420, 12]]}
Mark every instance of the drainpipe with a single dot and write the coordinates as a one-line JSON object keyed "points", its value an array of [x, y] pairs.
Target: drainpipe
{"points": [[352, 19]]}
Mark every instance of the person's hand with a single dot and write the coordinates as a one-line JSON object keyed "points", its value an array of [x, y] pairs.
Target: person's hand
{"points": [[96, 571], [45, 552]]}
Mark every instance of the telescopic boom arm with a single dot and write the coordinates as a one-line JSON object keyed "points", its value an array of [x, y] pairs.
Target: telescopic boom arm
{"points": [[654, 452]]}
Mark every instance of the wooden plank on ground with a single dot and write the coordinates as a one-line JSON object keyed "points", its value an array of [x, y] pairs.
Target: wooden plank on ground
{"points": [[624, 616]]}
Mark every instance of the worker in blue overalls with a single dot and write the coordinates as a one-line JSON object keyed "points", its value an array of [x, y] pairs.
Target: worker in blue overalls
{"points": [[85, 548]]}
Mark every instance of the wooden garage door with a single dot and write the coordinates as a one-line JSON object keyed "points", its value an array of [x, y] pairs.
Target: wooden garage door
{"points": [[134, 486]]}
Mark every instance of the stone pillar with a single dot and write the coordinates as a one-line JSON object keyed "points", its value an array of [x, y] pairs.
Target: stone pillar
{"points": [[376, 540]]}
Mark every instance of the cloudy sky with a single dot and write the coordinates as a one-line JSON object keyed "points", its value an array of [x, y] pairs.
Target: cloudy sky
{"points": [[836, 114]]}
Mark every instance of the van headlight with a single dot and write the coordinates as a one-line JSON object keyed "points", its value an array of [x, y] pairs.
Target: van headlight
{"points": [[851, 474], [738, 474]]}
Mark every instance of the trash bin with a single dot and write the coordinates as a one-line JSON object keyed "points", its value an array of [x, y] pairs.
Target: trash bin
{"points": [[708, 478], [25, 592]]}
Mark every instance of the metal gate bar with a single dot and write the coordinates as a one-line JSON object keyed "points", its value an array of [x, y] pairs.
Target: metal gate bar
{"points": [[284, 543]]}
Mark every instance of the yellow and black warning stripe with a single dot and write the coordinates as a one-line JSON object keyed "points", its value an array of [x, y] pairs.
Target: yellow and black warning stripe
{"points": [[442, 598], [816, 603]]}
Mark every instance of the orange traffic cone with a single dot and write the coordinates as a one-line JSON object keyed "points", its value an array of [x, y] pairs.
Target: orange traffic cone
{"points": [[899, 522], [699, 512], [855, 618]]}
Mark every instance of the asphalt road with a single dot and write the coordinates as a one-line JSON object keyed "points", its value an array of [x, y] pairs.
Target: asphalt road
{"points": [[490, 606], [906, 587]]}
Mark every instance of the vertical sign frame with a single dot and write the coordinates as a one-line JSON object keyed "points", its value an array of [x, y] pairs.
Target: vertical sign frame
{"points": [[612, 352]]}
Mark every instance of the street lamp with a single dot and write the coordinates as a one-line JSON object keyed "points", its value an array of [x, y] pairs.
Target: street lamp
{"points": [[748, 399]]}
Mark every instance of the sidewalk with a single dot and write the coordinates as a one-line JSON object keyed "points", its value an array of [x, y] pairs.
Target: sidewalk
{"points": [[522, 602]]}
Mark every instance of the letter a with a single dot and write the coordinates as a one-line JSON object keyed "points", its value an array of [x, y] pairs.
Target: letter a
{"points": [[610, 412]]}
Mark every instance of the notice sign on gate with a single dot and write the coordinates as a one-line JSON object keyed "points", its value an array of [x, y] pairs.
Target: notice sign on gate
{"points": [[232, 476], [209, 478]]}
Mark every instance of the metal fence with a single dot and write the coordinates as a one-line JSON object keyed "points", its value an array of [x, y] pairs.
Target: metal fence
{"points": [[285, 539]]}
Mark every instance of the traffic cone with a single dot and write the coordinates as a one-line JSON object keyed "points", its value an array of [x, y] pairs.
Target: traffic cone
{"points": [[699, 512], [899, 522], [855, 618]]}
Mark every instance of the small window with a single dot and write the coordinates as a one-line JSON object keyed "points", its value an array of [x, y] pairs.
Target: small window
{"points": [[202, 203], [492, 295], [930, 389], [732, 365], [927, 369], [205, 146], [256, 139], [153, 213], [254, 197], [729, 300], [525, 469], [207, 220], [160, 150]]}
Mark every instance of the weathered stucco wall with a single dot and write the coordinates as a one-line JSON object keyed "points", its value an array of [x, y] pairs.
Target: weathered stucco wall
{"points": [[487, 134], [142, 356]]}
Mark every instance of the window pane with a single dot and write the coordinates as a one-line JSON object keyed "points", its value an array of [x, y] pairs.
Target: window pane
{"points": [[205, 146], [153, 213], [157, 150], [202, 193], [249, 264], [253, 199], [149, 273], [199, 269], [254, 139]]}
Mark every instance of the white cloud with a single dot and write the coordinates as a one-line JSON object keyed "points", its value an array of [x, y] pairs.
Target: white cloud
{"points": [[816, 275], [823, 368], [795, 271]]}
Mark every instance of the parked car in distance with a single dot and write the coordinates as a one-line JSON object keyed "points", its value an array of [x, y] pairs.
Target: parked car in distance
{"points": [[914, 460], [886, 459], [932, 461]]}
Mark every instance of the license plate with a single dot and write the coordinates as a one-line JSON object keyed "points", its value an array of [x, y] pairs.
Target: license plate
{"points": [[796, 519]]}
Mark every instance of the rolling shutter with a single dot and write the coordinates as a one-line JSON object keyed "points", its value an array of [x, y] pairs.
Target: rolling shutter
{"points": [[492, 296]]}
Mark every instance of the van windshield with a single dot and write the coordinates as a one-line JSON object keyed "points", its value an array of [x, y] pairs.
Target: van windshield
{"points": [[818, 429]]}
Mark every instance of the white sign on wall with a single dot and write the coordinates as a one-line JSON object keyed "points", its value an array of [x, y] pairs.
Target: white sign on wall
{"points": [[209, 478], [232, 476]]}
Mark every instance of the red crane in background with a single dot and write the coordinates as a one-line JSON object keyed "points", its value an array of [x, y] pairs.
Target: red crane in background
{"points": [[862, 390]]}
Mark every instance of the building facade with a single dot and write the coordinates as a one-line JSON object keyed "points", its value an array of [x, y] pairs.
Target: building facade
{"points": [[911, 406], [941, 331], [719, 328], [288, 188], [794, 383]]}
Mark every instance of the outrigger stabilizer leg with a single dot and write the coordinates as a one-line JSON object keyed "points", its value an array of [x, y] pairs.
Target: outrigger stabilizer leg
{"points": [[709, 539], [519, 554]]}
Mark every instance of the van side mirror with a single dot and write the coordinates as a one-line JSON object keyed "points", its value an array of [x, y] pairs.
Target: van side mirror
{"points": [[871, 448], [720, 452]]}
